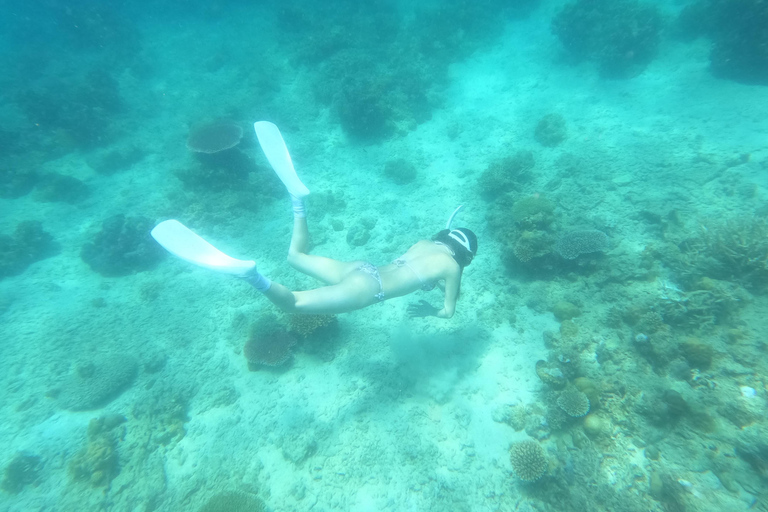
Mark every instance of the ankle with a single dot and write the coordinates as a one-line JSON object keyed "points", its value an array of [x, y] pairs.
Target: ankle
{"points": [[299, 208]]}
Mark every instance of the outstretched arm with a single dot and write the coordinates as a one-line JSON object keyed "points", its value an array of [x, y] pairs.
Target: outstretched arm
{"points": [[451, 289], [452, 285]]}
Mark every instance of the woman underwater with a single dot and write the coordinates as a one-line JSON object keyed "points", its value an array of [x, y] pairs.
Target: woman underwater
{"points": [[350, 285]]}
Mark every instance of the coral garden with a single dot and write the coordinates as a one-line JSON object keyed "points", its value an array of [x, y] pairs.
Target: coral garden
{"points": [[123, 246], [622, 36], [737, 30], [611, 336], [28, 244]]}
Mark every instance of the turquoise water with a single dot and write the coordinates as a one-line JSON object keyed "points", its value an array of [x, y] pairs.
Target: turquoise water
{"points": [[611, 158]]}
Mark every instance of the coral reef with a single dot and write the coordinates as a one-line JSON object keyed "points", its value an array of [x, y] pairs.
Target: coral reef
{"points": [[697, 353], [709, 303], [381, 75], [564, 310], [574, 403], [622, 36], [16, 179], [123, 246], [531, 245], [98, 462], [221, 165], [95, 382], [365, 108], [551, 374], [57, 188], [734, 250], [23, 470], [523, 228], [571, 245], [400, 171], [506, 174], [233, 501], [550, 130], [28, 244], [533, 212], [269, 343], [529, 462], [737, 29], [74, 112]]}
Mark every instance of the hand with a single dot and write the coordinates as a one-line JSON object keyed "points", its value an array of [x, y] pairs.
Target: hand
{"points": [[422, 309]]}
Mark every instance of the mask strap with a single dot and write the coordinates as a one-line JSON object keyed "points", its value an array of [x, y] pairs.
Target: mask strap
{"points": [[464, 241]]}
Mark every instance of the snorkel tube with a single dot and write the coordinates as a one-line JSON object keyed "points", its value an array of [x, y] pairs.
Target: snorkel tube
{"points": [[450, 219]]}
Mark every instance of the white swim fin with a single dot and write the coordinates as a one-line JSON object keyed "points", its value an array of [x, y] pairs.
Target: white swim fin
{"points": [[274, 148], [181, 241]]}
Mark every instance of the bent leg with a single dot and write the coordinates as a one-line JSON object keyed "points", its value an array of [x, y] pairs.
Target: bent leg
{"points": [[281, 297], [324, 269]]}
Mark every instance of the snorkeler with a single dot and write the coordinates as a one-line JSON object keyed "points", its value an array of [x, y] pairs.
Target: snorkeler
{"points": [[350, 285]]}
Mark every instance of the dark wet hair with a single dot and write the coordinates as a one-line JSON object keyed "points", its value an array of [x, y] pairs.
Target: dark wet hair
{"points": [[460, 253]]}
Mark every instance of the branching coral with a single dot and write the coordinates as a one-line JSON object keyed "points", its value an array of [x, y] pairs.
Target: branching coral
{"points": [[529, 462], [734, 250], [573, 402]]}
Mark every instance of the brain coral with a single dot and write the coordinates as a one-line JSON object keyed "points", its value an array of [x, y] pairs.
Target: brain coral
{"points": [[95, 382], [574, 403], [529, 462], [575, 243]]}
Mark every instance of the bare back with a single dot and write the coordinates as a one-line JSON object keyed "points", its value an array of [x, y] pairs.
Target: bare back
{"points": [[423, 264]]}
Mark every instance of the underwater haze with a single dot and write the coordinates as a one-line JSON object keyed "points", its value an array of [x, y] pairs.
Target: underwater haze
{"points": [[609, 349]]}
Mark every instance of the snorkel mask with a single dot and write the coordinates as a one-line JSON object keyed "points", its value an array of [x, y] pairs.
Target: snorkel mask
{"points": [[463, 236]]}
